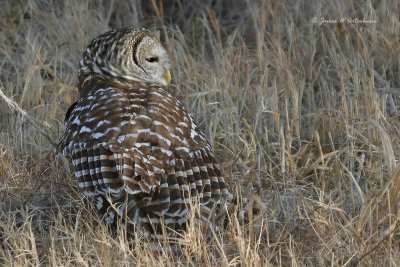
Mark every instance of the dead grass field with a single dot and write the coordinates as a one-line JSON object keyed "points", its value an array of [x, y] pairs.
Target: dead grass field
{"points": [[303, 116]]}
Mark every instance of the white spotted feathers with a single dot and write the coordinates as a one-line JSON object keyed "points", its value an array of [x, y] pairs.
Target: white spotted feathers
{"points": [[134, 147]]}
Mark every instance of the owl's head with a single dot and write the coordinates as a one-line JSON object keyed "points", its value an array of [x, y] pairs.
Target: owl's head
{"points": [[128, 53]]}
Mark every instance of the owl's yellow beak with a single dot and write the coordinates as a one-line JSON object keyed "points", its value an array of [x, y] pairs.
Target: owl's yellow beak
{"points": [[168, 76]]}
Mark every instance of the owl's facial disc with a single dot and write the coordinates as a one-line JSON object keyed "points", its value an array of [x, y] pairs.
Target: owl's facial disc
{"points": [[153, 60]]}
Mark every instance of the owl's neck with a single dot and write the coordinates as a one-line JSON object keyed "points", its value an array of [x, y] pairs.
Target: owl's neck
{"points": [[95, 81]]}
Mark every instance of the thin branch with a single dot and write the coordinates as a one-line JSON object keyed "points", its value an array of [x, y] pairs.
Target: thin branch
{"points": [[33, 121]]}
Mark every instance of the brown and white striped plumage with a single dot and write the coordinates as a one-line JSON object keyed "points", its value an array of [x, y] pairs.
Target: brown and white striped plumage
{"points": [[134, 147]]}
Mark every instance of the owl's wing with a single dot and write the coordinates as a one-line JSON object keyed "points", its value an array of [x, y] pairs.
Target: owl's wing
{"points": [[145, 144]]}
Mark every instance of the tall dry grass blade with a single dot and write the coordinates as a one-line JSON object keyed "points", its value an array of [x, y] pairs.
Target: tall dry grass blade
{"points": [[252, 220], [388, 153], [356, 185]]}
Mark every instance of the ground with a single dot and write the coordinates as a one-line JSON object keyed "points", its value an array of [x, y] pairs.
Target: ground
{"points": [[299, 100]]}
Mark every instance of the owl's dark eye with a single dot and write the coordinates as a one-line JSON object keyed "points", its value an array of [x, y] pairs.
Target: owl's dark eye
{"points": [[152, 59]]}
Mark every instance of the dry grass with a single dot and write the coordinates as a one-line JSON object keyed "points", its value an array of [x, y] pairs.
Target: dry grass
{"points": [[304, 117]]}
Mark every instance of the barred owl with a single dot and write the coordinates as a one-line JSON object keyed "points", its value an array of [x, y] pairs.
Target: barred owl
{"points": [[135, 149]]}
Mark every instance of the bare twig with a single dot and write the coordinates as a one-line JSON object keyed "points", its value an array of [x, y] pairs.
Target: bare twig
{"points": [[33, 121]]}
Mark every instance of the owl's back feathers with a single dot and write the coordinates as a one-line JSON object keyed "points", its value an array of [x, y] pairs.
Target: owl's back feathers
{"points": [[138, 152]]}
